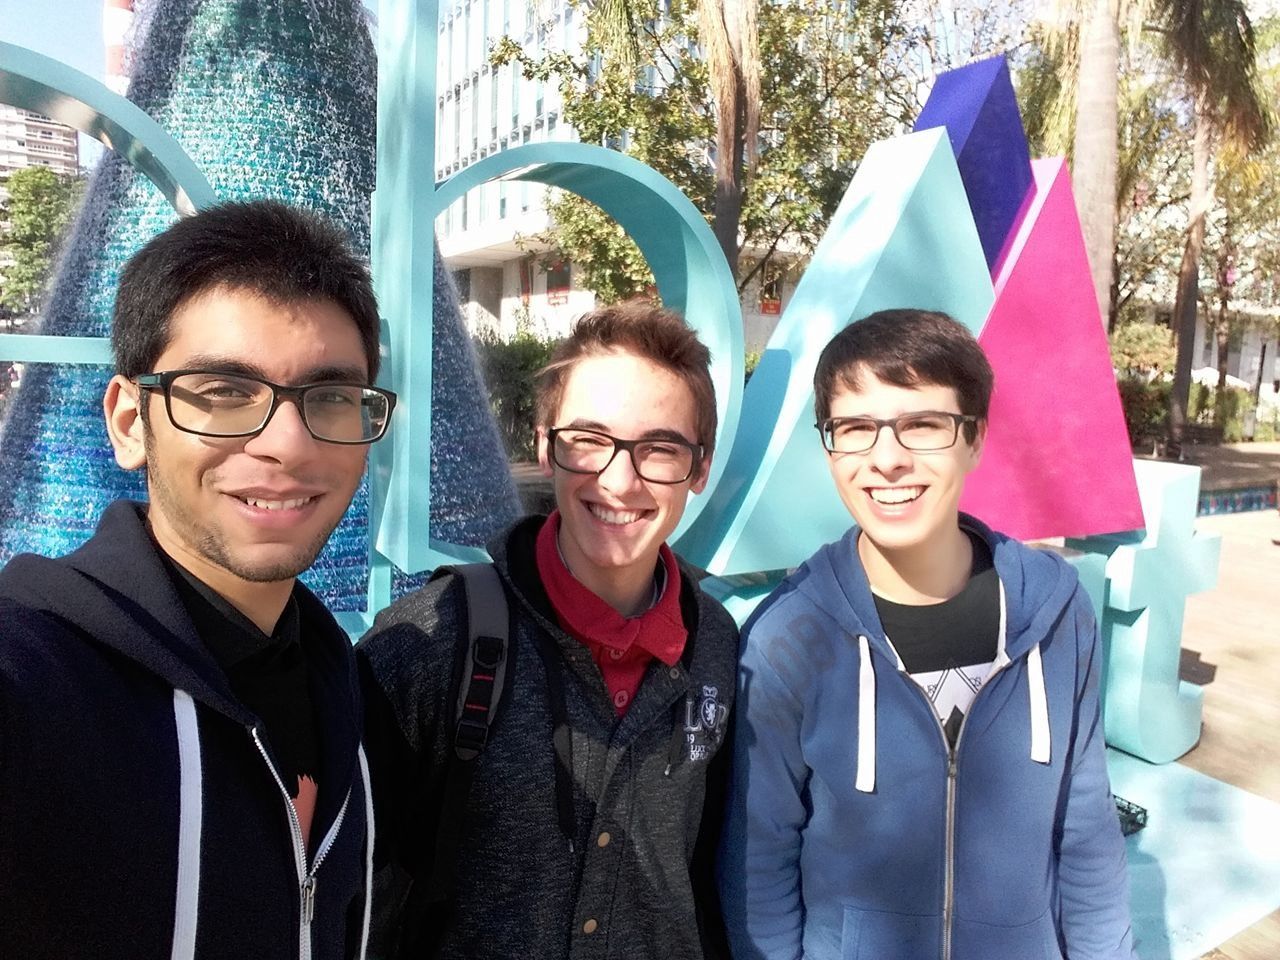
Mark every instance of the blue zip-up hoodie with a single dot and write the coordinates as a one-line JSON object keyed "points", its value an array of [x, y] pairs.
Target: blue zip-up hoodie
{"points": [[853, 833]]}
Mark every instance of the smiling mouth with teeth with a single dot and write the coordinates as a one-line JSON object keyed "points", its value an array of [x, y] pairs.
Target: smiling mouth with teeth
{"points": [[892, 496], [293, 504], [618, 517]]}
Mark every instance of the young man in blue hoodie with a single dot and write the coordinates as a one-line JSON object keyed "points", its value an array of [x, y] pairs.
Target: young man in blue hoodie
{"points": [[919, 764]]}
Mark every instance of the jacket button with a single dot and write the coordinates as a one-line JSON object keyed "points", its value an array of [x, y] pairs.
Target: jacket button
{"points": [[675, 673], [590, 926], [603, 839]]}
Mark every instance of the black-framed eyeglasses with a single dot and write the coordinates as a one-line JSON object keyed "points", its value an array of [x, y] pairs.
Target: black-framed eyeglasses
{"points": [[216, 404], [590, 451], [923, 432]]}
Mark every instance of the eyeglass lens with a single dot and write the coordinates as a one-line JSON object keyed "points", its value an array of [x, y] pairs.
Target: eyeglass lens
{"points": [[919, 432], [225, 406], [586, 451]]}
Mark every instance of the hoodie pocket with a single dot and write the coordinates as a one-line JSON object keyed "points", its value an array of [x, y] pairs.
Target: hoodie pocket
{"points": [[881, 935], [1037, 940]]}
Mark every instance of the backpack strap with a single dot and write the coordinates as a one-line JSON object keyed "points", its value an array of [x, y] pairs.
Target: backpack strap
{"points": [[481, 682], [484, 668]]}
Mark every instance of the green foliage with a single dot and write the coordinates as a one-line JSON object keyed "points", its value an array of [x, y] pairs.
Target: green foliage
{"points": [[1146, 408], [38, 210], [1141, 348], [834, 80], [1236, 400], [1044, 98], [509, 369]]}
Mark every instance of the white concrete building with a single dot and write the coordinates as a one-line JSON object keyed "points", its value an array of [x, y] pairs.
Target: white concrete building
{"points": [[481, 110], [30, 139]]}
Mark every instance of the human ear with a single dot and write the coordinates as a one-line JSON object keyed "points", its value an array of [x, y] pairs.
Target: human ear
{"points": [[123, 413], [544, 452], [979, 438], [701, 475]]}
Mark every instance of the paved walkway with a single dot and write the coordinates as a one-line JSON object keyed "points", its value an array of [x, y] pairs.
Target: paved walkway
{"points": [[1231, 466], [1231, 639]]}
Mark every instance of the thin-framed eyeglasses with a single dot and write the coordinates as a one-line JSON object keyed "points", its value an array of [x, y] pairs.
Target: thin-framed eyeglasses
{"points": [[925, 431], [213, 403], [591, 451]]}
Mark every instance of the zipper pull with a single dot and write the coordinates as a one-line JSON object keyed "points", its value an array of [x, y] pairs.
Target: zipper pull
{"points": [[308, 899]]}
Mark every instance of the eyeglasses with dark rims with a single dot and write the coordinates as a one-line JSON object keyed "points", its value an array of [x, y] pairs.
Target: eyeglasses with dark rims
{"points": [[926, 431], [658, 460], [216, 404]]}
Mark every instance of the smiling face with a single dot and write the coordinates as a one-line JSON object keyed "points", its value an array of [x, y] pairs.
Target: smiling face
{"points": [[613, 524], [245, 510], [904, 502]]}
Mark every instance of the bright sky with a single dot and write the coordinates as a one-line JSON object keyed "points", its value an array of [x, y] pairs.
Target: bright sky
{"points": [[69, 30]]}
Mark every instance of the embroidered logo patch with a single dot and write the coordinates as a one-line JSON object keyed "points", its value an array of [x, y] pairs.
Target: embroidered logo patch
{"points": [[705, 718]]}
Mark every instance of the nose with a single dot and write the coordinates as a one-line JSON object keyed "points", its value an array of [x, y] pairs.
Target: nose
{"points": [[620, 474], [887, 454], [284, 436]]}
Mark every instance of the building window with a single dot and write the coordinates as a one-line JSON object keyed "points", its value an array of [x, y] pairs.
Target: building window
{"points": [[558, 279], [526, 279], [771, 293], [515, 97], [493, 106]]}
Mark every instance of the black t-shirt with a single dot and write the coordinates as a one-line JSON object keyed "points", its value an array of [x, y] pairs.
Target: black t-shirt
{"points": [[267, 674], [938, 641]]}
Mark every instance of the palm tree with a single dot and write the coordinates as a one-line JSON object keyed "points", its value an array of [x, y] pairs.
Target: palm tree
{"points": [[730, 42], [1096, 150], [1212, 44]]}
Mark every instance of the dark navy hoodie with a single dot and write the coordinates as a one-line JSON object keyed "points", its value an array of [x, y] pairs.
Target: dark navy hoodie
{"points": [[141, 814]]}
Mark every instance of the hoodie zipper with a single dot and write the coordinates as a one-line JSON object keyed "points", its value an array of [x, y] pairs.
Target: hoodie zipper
{"points": [[949, 881], [306, 880]]}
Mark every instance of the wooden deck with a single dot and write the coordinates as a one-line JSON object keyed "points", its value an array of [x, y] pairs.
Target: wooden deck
{"points": [[1231, 639]]}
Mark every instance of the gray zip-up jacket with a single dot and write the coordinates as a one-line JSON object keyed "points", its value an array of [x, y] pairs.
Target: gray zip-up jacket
{"points": [[637, 880]]}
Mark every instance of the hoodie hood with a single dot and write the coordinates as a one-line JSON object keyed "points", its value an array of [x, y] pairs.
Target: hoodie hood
{"points": [[1036, 588], [99, 589]]}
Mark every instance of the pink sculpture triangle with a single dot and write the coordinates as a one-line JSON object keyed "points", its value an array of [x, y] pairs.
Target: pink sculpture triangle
{"points": [[1057, 460]]}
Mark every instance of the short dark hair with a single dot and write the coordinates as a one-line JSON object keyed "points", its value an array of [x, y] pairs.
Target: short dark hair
{"points": [[276, 251], [907, 348], [648, 331]]}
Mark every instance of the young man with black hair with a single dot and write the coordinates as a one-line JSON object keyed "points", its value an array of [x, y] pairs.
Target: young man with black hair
{"points": [[919, 767], [589, 826], [180, 763]]}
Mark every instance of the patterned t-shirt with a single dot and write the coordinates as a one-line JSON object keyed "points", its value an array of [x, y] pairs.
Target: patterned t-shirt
{"points": [[949, 647]]}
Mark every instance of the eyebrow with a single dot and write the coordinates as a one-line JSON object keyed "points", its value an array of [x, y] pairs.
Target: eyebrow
{"points": [[658, 433], [338, 373]]}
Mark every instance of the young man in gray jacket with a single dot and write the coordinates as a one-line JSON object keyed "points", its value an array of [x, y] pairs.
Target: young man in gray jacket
{"points": [[589, 825]]}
